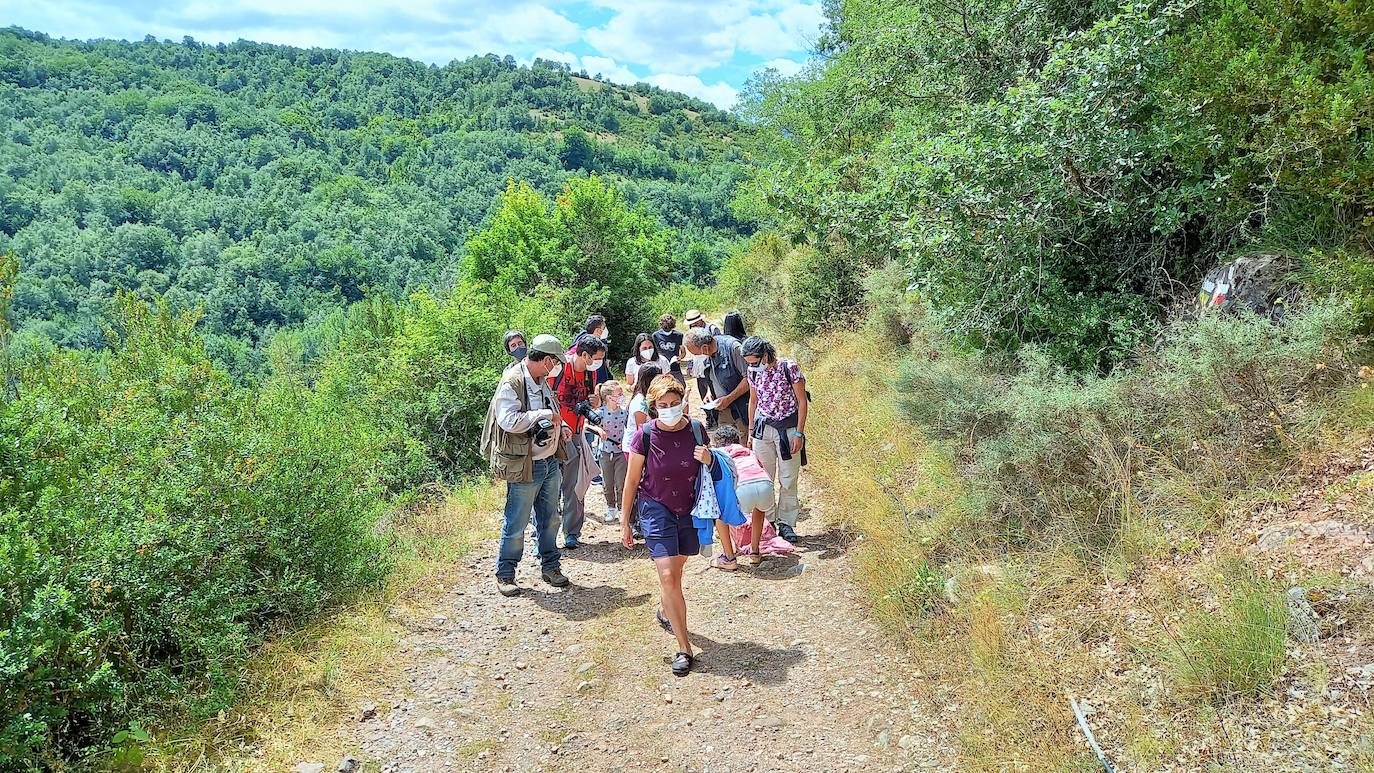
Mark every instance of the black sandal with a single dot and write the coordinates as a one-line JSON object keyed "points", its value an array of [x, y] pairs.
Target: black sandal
{"points": [[682, 664], [663, 621]]}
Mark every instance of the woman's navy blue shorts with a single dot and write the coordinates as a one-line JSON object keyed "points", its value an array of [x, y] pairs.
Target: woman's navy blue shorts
{"points": [[666, 533]]}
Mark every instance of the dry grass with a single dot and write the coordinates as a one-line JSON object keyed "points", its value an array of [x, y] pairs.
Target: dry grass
{"points": [[907, 500], [305, 683]]}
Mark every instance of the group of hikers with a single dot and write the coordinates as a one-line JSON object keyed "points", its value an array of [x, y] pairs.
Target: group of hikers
{"points": [[560, 421]]}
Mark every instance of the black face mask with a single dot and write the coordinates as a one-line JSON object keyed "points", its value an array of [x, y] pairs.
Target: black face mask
{"points": [[519, 353]]}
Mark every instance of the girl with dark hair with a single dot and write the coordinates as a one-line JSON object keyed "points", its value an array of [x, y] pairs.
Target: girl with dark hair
{"points": [[733, 323], [646, 353]]}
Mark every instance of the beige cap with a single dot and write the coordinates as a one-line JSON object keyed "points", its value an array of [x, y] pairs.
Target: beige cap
{"points": [[547, 344]]}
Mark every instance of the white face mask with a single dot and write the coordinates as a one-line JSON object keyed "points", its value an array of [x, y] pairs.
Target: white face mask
{"points": [[647, 354], [596, 364], [671, 415], [756, 368], [699, 363], [605, 334], [557, 369]]}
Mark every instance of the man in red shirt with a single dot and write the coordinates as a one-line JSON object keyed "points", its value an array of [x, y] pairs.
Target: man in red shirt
{"points": [[576, 390]]}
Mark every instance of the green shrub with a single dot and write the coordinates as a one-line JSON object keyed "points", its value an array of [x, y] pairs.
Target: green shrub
{"points": [[823, 289], [894, 311], [1060, 456], [677, 298], [753, 279], [1235, 651], [158, 520]]}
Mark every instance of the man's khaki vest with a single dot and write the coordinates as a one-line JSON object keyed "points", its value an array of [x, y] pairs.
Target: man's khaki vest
{"points": [[508, 453]]}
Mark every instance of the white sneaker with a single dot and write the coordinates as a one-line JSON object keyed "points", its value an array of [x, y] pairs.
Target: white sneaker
{"points": [[613, 515]]}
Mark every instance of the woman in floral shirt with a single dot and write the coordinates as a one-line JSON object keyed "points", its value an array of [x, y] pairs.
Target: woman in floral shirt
{"points": [[777, 421]]}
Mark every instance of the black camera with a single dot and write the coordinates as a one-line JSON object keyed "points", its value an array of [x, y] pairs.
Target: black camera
{"points": [[586, 411], [539, 433]]}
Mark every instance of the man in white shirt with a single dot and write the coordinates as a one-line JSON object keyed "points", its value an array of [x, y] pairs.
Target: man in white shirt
{"points": [[524, 440]]}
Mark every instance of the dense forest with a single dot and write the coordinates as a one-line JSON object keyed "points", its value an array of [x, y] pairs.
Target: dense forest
{"points": [[269, 186]]}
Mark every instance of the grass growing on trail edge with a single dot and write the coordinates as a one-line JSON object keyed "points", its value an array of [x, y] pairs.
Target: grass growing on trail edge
{"points": [[1007, 616], [304, 684]]}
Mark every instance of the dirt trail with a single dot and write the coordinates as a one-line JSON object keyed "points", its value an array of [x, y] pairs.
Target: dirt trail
{"points": [[790, 676]]}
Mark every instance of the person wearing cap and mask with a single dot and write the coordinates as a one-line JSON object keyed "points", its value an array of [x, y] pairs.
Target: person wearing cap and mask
{"points": [[695, 320], [777, 421], [515, 347], [576, 390], [524, 439], [718, 363]]}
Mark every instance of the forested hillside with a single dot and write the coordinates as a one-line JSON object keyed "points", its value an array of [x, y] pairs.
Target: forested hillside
{"points": [[271, 185]]}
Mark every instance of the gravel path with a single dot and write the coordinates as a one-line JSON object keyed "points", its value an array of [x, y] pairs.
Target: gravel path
{"points": [[790, 675]]}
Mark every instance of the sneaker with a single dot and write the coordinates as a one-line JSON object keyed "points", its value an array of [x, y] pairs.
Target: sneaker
{"points": [[507, 587], [571, 543], [787, 532], [682, 664], [725, 562], [597, 481], [612, 515], [663, 621], [555, 578]]}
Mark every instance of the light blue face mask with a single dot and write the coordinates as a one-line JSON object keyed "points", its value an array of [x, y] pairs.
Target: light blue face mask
{"points": [[671, 415], [757, 368]]}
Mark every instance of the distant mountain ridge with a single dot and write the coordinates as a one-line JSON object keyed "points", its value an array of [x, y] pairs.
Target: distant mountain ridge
{"points": [[271, 184]]}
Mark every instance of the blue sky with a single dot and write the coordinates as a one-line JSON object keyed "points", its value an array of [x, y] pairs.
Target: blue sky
{"points": [[706, 48]]}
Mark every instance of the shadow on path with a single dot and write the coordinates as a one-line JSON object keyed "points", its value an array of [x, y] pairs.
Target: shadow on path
{"points": [[831, 543], [759, 663], [605, 552], [778, 566], [579, 603]]}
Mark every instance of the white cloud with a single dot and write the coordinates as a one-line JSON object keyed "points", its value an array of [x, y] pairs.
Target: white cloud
{"points": [[682, 36], [786, 67], [610, 70], [548, 54], [722, 95]]}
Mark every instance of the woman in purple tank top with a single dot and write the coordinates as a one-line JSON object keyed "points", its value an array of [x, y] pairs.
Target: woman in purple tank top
{"points": [[661, 488]]}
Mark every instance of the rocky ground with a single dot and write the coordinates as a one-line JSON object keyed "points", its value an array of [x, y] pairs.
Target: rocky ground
{"points": [[790, 674]]}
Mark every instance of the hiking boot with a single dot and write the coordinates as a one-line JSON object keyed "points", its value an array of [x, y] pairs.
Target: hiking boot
{"points": [[787, 532], [507, 587], [682, 664], [555, 578]]}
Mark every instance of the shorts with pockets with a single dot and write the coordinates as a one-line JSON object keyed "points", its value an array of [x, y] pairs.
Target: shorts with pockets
{"points": [[665, 532], [755, 495]]}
